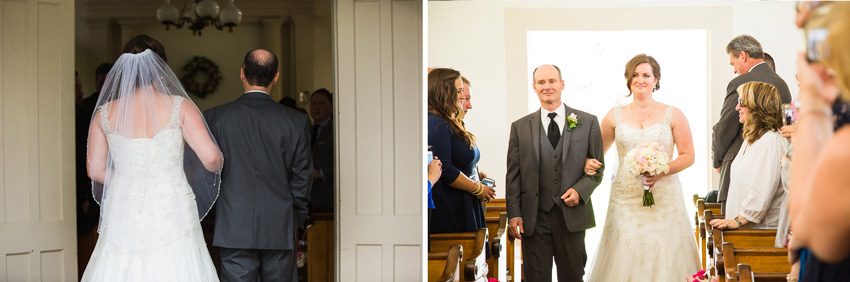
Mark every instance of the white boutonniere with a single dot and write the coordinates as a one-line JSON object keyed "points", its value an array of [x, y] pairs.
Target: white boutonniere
{"points": [[572, 121]]}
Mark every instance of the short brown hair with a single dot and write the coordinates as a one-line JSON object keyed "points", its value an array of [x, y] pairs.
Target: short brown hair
{"points": [[765, 109], [142, 42], [640, 59]]}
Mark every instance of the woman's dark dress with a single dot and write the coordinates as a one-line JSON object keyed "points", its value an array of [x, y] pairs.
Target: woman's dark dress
{"points": [[455, 210]]}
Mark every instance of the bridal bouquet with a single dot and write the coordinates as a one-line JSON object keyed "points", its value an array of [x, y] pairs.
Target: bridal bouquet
{"points": [[647, 159]]}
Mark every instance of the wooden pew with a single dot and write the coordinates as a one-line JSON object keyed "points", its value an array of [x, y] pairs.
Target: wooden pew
{"points": [[702, 232], [709, 230], [699, 227], [711, 255], [474, 266], [445, 266], [743, 238], [701, 241], [749, 238], [745, 274], [496, 227], [767, 264], [494, 208], [320, 247], [702, 206]]}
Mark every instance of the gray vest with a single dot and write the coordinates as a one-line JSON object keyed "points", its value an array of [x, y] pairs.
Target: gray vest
{"points": [[550, 171]]}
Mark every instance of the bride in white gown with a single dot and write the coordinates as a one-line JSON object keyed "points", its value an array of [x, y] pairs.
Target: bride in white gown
{"points": [[155, 171], [646, 243]]}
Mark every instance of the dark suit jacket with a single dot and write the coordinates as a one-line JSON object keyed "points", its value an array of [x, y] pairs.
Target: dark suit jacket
{"points": [[727, 138], [322, 194], [267, 172], [585, 141]]}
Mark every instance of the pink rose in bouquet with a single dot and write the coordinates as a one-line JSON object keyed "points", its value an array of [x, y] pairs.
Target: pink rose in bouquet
{"points": [[647, 159]]}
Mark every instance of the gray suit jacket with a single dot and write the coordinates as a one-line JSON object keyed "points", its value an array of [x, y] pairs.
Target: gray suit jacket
{"points": [[267, 172], [728, 130], [582, 142]]}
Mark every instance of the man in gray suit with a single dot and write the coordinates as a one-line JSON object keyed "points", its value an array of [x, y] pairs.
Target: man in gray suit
{"points": [[747, 60], [265, 180], [548, 192]]}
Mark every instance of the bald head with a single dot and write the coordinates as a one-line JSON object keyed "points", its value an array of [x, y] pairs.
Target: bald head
{"points": [[260, 67], [547, 67]]}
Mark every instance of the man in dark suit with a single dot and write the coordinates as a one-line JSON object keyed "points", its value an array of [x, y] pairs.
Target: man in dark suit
{"points": [[747, 60], [265, 180], [322, 136], [88, 212], [548, 192]]}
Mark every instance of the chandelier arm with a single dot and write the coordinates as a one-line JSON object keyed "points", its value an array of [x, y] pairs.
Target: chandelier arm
{"points": [[217, 23]]}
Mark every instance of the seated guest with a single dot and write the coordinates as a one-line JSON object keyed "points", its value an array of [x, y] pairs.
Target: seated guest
{"points": [[755, 187], [457, 198]]}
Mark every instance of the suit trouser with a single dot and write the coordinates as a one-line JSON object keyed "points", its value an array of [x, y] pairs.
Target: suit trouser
{"points": [[252, 265], [725, 174], [552, 239]]}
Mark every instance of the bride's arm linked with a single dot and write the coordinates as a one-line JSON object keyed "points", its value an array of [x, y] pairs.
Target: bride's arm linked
{"points": [[607, 128], [97, 151], [198, 137]]}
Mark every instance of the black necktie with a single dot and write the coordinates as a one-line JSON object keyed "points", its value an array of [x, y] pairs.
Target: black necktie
{"points": [[314, 135], [554, 131]]}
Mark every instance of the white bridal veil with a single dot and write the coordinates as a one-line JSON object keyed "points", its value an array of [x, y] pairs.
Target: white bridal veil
{"points": [[142, 104]]}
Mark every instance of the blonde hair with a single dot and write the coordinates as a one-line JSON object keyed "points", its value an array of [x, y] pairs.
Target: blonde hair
{"points": [[765, 109], [838, 42]]}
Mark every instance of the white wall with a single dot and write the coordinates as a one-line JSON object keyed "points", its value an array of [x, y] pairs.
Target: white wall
{"points": [[471, 37]]}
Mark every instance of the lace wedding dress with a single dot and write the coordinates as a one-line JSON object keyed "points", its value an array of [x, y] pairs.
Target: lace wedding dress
{"points": [[150, 229], [645, 243]]}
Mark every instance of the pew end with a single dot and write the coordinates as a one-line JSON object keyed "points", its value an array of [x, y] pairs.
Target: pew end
{"points": [[445, 266], [474, 266]]}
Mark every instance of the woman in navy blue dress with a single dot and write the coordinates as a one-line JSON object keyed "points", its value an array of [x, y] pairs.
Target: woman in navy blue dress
{"points": [[457, 198]]}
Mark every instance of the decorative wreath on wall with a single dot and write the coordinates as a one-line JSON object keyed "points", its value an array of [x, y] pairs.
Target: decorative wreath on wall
{"points": [[191, 70]]}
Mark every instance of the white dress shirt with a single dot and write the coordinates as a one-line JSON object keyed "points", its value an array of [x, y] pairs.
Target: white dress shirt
{"points": [[755, 186], [560, 119]]}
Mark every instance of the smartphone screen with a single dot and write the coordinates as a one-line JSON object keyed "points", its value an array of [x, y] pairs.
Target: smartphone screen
{"points": [[814, 38], [788, 115]]}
